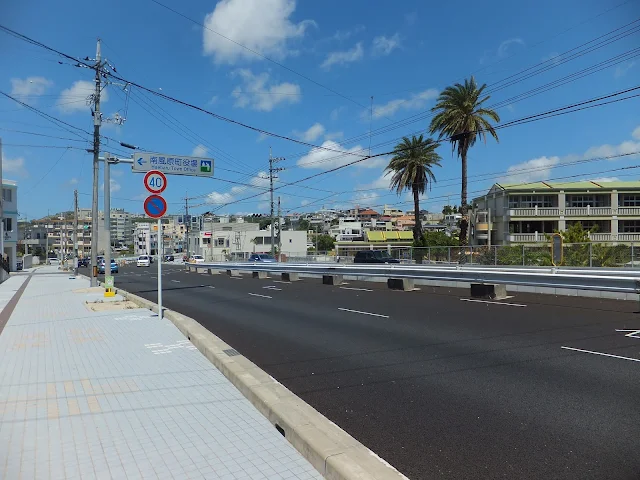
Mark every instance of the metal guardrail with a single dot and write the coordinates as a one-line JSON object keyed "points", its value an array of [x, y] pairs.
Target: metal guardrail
{"points": [[610, 281]]}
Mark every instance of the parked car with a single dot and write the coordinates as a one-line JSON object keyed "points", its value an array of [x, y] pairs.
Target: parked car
{"points": [[169, 258], [144, 261], [262, 258], [374, 256], [114, 266], [53, 261], [196, 259], [83, 262]]}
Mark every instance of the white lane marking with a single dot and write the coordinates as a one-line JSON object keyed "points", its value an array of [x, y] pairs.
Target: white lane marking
{"points": [[155, 277], [258, 295], [632, 334], [363, 313], [603, 354], [176, 281], [492, 302], [273, 287], [280, 281], [235, 278], [209, 286], [358, 289]]}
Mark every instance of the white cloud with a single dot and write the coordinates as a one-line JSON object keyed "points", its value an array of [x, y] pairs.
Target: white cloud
{"points": [[257, 93], [530, 171], [385, 45], [605, 179], [340, 58], [606, 150], [15, 167], [382, 183], [636, 133], [414, 102], [200, 151], [503, 49], [335, 113], [262, 137], [314, 132], [263, 26], [334, 136], [29, 87], [326, 159], [74, 99], [114, 186], [305, 202], [219, 198], [342, 35], [365, 198], [73, 181], [621, 70]]}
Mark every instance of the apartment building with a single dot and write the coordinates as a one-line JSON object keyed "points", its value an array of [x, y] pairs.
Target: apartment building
{"points": [[10, 221], [527, 213]]}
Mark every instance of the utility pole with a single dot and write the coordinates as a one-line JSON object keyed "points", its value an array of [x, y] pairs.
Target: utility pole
{"points": [[107, 215], [273, 170], [46, 236], [279, 232], [96, 167], [186, 221]]}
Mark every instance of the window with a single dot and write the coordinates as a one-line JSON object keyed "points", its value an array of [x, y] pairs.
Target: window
{"points": [[599, 226], [220, 242], [531, 201], [7, 223], [584, 200], [6, 194], [629, 226], [629, 200]]}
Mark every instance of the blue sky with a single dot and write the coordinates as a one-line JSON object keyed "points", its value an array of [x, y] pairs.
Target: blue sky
{"points": [[401, 53]]}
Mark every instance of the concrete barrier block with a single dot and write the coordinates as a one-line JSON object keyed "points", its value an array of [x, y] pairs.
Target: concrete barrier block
{"points": [[212, 271], [332, 279], [404, 284], [494, 291], [233, 273], [260, 275], [290, 277]]}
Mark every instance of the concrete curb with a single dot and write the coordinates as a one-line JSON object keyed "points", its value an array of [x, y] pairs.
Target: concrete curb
{"points": [[331, 450]]}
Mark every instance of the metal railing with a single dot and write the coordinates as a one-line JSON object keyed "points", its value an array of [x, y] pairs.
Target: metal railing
{"points": [[545, 277]]}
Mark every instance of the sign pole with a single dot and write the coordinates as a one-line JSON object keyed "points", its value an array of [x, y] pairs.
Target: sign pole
{"points": [[159, 268]]}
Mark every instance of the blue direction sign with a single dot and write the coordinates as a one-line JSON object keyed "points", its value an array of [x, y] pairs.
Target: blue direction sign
{"points": [[155, 206], [172, 164]]}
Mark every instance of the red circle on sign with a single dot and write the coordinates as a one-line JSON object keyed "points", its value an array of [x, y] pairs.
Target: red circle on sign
{"points": [[155, 206], [151, 188]]}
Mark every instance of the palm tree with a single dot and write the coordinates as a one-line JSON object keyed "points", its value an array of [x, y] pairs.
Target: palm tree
{"points": [[411, 166], [461, 119]]}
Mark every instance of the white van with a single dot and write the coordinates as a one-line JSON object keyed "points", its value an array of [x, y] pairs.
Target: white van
{"points": [[144, 261]]}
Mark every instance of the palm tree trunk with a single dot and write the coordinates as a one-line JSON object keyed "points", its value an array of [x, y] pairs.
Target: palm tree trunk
{"points": [[417, 228], [464, 224]]}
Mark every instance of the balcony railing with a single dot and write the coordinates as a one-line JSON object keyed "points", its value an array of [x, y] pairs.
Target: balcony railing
{"points": [[628, 237], [535, 212], [629, 211], [587, 211], [601, 237], [526, 237]]}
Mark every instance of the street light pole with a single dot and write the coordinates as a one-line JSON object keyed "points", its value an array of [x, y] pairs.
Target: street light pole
{"points": [[107, 214], [96, 167]]}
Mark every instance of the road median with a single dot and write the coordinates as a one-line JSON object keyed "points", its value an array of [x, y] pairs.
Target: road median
{"points": [[331, 450]]}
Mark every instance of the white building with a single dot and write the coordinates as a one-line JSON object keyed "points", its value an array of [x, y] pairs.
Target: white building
{"points": [[527, 213], [145, 239], [10, 221]]}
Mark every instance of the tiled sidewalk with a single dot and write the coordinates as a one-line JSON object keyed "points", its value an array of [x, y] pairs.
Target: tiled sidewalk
{"points": [[120, 395]]}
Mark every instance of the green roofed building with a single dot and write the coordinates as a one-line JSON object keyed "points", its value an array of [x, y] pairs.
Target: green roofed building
{"points": [[526, 213]]}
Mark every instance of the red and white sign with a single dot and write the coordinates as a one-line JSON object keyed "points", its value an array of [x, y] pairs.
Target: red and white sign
{"points": [[206, 234], [155, 182]]}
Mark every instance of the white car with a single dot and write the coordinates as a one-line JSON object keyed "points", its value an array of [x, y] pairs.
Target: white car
{"points": [[144, 261], [196, 259]]}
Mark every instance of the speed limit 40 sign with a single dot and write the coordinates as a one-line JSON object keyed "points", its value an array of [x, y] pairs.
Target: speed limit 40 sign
{"points": [[155, 182]]}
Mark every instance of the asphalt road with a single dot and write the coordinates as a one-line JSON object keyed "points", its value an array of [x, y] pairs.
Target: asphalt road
{"points": [[533, 386]]}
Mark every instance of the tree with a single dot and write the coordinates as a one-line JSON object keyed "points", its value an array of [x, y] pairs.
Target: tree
{"points": [[264, 223], [325, 243], [411, 166], [461, 119], [304, 225]]}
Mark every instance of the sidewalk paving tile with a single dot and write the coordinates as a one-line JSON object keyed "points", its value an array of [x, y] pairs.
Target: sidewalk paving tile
{"points": [[120, 394]]}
